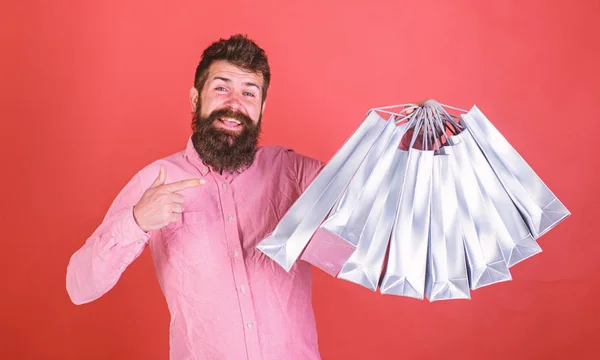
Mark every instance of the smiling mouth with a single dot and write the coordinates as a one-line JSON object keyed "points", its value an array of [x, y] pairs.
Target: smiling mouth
{"points": [[229, 123]]}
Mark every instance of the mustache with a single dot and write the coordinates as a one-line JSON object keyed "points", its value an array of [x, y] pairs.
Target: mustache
{"points": [[232, 114]]}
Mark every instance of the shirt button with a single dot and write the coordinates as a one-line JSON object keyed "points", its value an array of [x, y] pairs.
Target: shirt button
{"points": [[121, 267], [250, 325], [230, 218], [224, 185], [243, 289], [236, 253]]}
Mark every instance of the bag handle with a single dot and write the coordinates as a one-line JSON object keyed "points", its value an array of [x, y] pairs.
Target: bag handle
{"points": [[447, 117], [431, 117], [417, 121]]}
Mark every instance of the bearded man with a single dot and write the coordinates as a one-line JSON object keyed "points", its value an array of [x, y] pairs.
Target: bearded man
{"points": [[202, 212]]}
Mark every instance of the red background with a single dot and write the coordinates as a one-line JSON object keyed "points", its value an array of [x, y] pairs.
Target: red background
{"points": [[94, 90]]}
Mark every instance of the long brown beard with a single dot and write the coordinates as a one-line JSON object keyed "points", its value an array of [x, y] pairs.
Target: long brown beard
{"points": [[222, 150]]}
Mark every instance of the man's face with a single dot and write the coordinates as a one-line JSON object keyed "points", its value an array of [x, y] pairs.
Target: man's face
{"points": [[227, 115], [228, 86]]}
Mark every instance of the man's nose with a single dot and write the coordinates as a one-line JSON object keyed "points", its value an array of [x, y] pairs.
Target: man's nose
{"points": [[234, 102]]}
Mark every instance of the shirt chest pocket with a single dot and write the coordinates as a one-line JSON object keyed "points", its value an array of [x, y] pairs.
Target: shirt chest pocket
{"points": [[185, 242]]}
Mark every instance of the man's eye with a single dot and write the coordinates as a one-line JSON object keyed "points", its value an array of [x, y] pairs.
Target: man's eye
{"points": [[247, 93], [220, 88]]}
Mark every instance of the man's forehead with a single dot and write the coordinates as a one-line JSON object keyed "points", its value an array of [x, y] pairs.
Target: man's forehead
{"points": [[224, 69]]}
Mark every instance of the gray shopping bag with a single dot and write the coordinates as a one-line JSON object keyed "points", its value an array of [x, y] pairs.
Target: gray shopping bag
{"points": [[447, 276], [485, 260], [540, 208], [514, 237], [365, 265], [407, 258], [336, 239], [291, 235]]}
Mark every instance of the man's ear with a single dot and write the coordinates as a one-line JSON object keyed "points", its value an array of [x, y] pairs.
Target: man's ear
{"points": [[264, 105], [194, 98]]}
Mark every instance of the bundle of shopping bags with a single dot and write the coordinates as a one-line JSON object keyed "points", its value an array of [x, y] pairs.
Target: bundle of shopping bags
{"points": [[419, 202]]}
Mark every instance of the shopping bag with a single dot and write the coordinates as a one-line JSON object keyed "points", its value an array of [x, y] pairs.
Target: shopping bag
{"points": [[514, 237], [289, 238], [447, 276], [365, 265], [407, 258], [335, 240], [540, 208], [485, 260]]}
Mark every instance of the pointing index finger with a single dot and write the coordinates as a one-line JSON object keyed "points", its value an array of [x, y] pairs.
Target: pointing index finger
{"points": [[183, 184]]}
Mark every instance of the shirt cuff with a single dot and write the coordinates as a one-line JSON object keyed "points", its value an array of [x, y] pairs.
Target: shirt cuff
{"points": [[130, 230]]}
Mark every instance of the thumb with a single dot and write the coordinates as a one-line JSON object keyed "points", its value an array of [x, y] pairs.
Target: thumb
{"points": [[162, 176]]}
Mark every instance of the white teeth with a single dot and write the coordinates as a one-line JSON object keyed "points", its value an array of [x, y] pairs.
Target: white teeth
{"points": [[233, 120]]}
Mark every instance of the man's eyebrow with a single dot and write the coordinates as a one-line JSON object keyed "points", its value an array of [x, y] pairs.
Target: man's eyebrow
{"points": [[221, 78], [227, 80], [252, 84]]}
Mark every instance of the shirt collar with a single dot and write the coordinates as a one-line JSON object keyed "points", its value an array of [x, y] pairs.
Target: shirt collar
{"points": [[194, 158]]}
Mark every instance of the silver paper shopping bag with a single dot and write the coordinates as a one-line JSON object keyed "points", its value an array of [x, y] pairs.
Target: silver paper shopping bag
{"points": [[365, 265], [485, 261], [514, 237], [336, 239], [540, 208], [407, 258], [447, 276], [289, 238]]}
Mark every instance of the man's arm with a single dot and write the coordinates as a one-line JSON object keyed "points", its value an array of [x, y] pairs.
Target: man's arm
{"points": [[307, 170], [96, 267]]}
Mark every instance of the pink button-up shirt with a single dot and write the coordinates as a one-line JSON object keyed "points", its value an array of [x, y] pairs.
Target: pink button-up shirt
{"points": [[227, 300]]}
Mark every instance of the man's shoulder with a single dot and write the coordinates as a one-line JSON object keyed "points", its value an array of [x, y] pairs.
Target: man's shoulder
{"points": [[273, 150], [176, 166], [283, 153]]}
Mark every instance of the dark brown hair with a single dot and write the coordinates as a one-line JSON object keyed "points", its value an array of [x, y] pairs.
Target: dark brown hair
{"points": [[239, 51]]}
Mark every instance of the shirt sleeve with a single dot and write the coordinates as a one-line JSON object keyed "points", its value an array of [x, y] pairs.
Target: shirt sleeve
{"points": [[307, 170], [96, 267]]}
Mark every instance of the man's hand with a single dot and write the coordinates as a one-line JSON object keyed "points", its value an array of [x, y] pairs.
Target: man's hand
{"points": [[161, 204], [409, 109], [434, 134]]}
